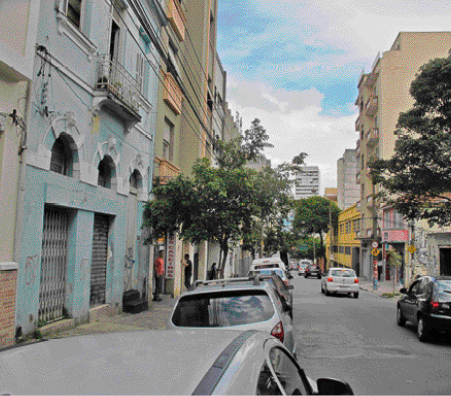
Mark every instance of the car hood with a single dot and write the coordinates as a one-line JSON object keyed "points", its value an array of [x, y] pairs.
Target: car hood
{"points": [[148, 362]]}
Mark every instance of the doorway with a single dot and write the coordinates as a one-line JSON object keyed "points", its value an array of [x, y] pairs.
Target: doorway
{"points": [[445, 261]]}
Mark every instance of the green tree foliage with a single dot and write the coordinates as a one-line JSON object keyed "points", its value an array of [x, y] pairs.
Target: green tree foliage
{"points": [[313, 217], [223, 204], [417, 179]]}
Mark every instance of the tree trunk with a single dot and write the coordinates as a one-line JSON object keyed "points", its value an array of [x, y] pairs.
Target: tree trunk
{"points": [[223, 255]]}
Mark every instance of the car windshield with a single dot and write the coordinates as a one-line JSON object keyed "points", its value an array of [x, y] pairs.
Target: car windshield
{"points": [[223, 309], [442, 289], [266, 266], [274, 271], [343, 273]]}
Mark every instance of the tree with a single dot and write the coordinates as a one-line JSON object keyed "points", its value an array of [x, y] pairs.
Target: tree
{"points": [[417, 179], [313, 216], [300, 159]]}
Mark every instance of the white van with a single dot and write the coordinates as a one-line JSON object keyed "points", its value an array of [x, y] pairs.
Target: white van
{"points": [[266, 263]]}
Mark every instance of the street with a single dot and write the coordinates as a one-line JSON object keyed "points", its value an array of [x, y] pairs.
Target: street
{"points": [[358, 341]]}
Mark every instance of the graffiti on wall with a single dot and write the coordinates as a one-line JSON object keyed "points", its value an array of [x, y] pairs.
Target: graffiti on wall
{"points": [[30, 269], [129, 263]]}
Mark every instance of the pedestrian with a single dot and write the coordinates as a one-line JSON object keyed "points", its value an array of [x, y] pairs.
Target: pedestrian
{"points": [[188, 271], [212, 272], [159, 273]]}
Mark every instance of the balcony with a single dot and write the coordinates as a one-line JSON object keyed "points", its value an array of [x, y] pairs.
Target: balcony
{"points": [[358, 144], [371, 79], [164, 171], [357, 124], [117, 90], [176, 18], [371, 106], [172, 93], [372, 137]]}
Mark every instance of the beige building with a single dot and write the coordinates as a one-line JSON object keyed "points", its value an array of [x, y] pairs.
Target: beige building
{"points": [[331, 193], [383, 95], [18, 29], [348, 190]]}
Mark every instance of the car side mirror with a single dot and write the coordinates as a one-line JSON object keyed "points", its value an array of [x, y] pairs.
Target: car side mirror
{"points": [[287, 307], [403, 290], [330, 386], [290, 287]]}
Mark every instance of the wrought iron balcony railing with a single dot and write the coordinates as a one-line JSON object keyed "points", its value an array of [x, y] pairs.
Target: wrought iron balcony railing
{"points": [[114, 78]]}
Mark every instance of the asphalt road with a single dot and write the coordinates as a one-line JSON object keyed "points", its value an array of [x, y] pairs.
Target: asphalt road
{"points": [[358, 341]]}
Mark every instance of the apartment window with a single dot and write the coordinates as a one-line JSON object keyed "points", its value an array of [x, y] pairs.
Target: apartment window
{"points": [[362, 192], [73, 12], [168, 141], [348, 250], [105, 173], [172, 62], [61, 160], [363, 222], [135, 182], [140, 70]]}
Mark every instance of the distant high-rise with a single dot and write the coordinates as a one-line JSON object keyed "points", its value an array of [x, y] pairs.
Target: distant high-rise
{"points": [[348, 189], [307, 182], [331, 193]]}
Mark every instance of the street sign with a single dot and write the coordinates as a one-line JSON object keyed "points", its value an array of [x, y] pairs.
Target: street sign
{"points": [[375, 252], [375, 245], [412, 249]]}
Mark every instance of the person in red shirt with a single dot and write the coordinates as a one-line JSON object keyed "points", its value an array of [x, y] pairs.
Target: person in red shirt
{"points": [[159, 273]]}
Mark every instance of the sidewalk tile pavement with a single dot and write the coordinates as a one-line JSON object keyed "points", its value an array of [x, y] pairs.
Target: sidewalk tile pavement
{"points": [[384, 289]]}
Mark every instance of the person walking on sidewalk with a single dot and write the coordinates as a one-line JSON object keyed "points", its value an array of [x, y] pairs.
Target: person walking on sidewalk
{"points": [[188, 270], [159, 273], [212, 272]]}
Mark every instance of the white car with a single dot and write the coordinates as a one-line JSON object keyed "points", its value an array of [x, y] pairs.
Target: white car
{"points": [[340, 280], [301, 270]]}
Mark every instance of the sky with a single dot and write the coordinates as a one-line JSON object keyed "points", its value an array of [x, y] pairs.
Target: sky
{"points": [[295, 66]]}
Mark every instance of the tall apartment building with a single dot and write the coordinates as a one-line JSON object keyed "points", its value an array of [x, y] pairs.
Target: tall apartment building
{"points": [[383, 95], [307, 183], [348, 189]]}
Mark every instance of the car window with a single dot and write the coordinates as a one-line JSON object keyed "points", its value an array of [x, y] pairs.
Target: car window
{"points": [[343, 273], [266, 383], [442, 289], [223, 309], [414, 288], [287, 372], [423, 288]]}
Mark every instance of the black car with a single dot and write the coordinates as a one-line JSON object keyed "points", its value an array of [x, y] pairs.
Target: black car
{"points": [[313, 270], [427, 304]]}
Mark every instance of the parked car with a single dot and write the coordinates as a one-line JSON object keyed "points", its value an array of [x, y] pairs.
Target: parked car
{"points": [[235, 304], [270, 262], [312, 270], [302, 268], [207, 362], [427, 305], [282, 287], [339, 280]]}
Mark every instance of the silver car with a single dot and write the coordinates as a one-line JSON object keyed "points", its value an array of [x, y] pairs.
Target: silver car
{"points": [[182, 362], [340, 280], [234, 304]]}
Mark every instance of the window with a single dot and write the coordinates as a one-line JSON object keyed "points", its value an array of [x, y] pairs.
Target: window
{"points": [[73, 12], [62, 160], [348, 250], [288, 374], [140, 70], [223, 309], [104, 179], [168, 141], [135, 182]]}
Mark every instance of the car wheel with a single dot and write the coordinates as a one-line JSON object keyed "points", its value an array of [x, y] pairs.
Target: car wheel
{"points": [[400, 320], [327, 292], [356, 295], [319, 276], [322, 290], [422, 330], [305, 276]]}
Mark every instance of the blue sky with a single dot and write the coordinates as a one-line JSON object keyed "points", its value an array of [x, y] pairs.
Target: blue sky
{"points": [[295, 66]]}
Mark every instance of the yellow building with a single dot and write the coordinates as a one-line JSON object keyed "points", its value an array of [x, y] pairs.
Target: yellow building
{"points": [[383, 95], [342, 246], [18, 29]]}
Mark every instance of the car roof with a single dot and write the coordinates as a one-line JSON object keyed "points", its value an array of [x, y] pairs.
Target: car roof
{"points": [[147, 362], [340, 268], [221, 285]]}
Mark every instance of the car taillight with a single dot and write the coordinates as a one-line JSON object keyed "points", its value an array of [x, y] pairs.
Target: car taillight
{"points": [[278, 332], [435, 304], [356, 280], [330, 279], [286, 283]]}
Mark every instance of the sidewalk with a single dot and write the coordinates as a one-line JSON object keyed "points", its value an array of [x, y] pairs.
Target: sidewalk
{"points": [[384, 289], [153, 319]]}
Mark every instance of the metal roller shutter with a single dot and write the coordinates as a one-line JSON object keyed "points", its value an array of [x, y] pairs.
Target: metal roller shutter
{"points": [[99, 259]]}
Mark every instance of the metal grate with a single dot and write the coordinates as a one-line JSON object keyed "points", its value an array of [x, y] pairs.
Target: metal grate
{"points": [[99, 259], [52, 290]]}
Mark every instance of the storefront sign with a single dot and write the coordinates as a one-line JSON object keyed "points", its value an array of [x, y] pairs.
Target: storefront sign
{"points": [[170, 258], [395, 236]]}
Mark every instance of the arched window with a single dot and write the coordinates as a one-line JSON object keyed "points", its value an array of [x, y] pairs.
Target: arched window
{"points": [[135, 182], [105, 173], [62, 159]]}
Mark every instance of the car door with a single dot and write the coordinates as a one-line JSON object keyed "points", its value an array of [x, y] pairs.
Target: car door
{"points": [[409, 301], [421, 298]]}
